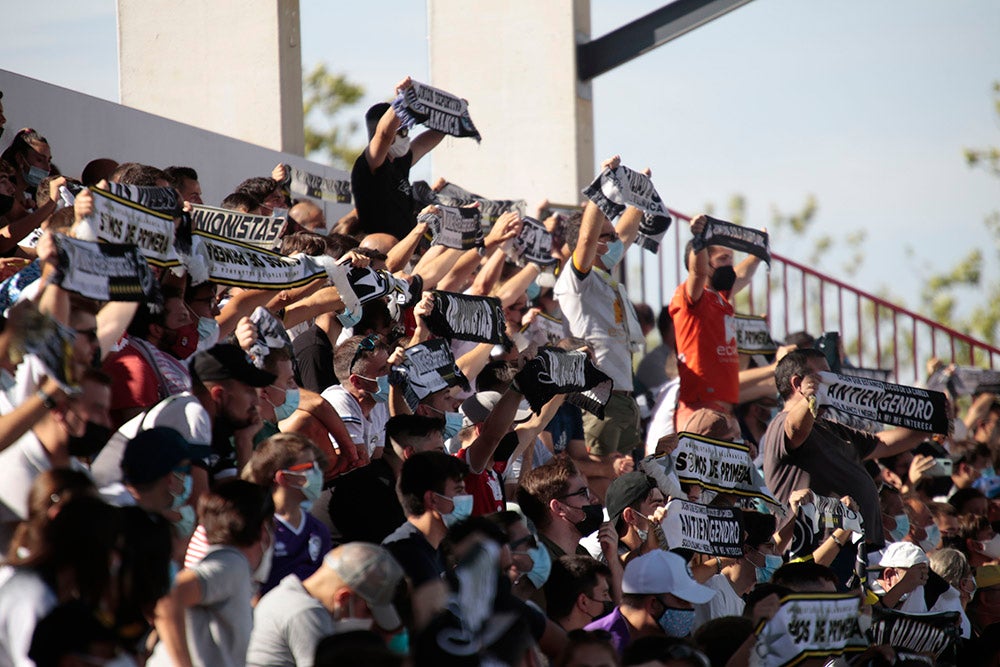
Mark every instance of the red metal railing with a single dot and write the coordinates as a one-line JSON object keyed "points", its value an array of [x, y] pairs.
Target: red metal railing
{"points": [[876, 333]]}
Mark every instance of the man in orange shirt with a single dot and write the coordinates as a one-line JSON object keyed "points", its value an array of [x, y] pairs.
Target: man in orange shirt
{"points": [[707, 360]]}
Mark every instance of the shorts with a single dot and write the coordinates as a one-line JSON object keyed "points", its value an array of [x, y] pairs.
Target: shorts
{"points": [[618, 432]]}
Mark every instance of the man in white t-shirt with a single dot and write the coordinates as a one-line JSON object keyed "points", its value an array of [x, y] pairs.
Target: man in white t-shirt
{"points": [[597, 309], [361, 365]]}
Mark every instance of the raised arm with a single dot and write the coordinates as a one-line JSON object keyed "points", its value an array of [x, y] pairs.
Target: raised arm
{"points": [[385, 132], [744, 273], [697, 264]]}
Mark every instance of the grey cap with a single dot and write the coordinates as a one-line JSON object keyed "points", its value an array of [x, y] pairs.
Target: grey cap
{"points": [[370, 571]]}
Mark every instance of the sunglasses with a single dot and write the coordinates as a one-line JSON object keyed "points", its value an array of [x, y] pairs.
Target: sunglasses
{"points": [[582, 492], [366, 344]]}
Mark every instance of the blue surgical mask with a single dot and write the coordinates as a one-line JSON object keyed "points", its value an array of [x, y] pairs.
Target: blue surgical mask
{"points": [[771, 563], [185, 525], [677, 622], [933, 538], [542, 565], [312, 488], [208, 332], [183, 496], [382, 395], [533, 291], [349, 319], [452, 424], [902, 528], [290, 405], [399, 643], [34, 176], [462, 509], [616, 250]]}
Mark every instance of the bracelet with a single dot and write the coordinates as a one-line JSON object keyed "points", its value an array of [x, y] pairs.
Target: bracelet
{"points": [[46, 399]]}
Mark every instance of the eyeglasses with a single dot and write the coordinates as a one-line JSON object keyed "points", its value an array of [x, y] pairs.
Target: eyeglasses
{"points": [[366, 344], [582, 492]]}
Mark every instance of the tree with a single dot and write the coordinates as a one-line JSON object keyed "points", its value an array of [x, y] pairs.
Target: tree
{"points": [[942, 290], [327, 98]]}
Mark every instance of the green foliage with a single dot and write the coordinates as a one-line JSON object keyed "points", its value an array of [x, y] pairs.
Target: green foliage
{"points": [[327, 99]]}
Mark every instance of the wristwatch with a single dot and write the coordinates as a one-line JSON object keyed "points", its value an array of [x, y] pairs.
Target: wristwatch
{"points": [[46, 399]]}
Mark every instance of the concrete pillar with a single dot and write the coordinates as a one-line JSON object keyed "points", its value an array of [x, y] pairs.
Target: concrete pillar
{"points": [[229, 66], [515, 61]]}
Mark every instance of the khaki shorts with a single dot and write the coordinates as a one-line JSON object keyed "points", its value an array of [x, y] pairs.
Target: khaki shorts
{"points": [[617, 432]]}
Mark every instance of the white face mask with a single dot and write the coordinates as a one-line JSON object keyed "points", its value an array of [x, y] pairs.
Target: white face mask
{"points": [[400, 147], [991, 548]]}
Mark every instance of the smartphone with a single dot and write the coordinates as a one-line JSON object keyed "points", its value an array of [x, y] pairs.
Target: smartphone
{"points": [[942, 468]]}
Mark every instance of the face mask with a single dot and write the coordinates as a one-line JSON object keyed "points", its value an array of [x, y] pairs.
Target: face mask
{"points": [[185, 525], [991, 547], [6, 203], [771, 563], [593, 517], [541, 566], [400, 147], [91, 442], [382, 395], [533, 291], [723, 278], [208, 331], [902, 528], [186, 342], [348, 319], [462, 509], [643, 535], [616, 250], [263, 570], [452, 424], [399, 643], [933, 538], [183, 496], [313, 486], [34, 176], [607, 606], [677, 622], [290, 405]]}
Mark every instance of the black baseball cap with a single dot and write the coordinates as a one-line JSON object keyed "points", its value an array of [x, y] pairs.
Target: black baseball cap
{"points": [[626, 490], [228, 362], [153, 454]]}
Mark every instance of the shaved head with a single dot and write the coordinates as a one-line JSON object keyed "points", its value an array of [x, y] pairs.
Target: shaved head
{"points": [[381, 242], [309, 215]]}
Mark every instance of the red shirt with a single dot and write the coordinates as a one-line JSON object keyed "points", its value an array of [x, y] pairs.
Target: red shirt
{"points": [[486, 489], [708, 363]]}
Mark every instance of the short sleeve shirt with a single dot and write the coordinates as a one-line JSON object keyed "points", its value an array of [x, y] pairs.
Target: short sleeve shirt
{"points": [[595, 311], [830, 462], [288, 624], [370, 430], [707, 360], [384, 198]]}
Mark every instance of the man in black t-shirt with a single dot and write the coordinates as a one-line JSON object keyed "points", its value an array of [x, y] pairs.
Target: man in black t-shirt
{"points": [[380, 179]]}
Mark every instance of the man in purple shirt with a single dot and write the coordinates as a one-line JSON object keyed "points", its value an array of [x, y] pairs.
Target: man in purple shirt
{"points": [[658, 598]]}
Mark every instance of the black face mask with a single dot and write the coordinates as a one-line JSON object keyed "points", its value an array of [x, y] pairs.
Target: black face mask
{"points": [[723, 279], [593, 517], [607, 606], [6, 203], [91, 442]]}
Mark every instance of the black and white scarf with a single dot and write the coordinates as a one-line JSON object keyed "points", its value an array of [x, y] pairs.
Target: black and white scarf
{"points": [[533, 244], [436, 109], [703, 528], [241, 265], [965, 381], [883, 403], [119, 220], [935, 633], [614, 189], [105, 271], [428, 367], [555, 371], [453, 227], [161, 200], [722, 467], [473, 318], [809, 624], [261, 231], [813, 520], [753, 335], [734, 237], [271, 334], [301, 182]]}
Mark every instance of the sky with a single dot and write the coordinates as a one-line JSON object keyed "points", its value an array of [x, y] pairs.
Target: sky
{"points": [[865, 105]]}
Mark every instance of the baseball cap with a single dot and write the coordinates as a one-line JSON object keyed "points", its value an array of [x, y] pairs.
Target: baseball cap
{"points": [[152, 454], [902, 554], [624, 491], [661, 572], [478, 407], [370, 571], [228, 362]]}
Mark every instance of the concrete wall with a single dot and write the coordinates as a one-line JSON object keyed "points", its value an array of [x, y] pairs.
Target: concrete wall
{"points": [[515, 61], [231, 66], [80, 128]]}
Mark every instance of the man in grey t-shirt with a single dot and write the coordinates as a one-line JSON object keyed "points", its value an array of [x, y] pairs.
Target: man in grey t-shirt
{"points": [[292, 618], [803, 452]]}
